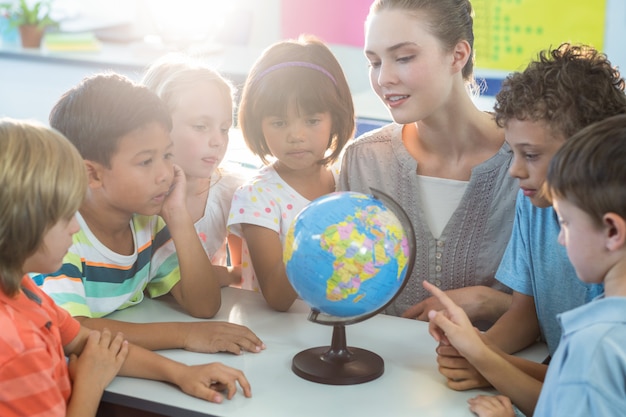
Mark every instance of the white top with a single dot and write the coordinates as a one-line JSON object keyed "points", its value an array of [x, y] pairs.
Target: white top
{"points": [[211, 227], [440, 197], [267, 201]]}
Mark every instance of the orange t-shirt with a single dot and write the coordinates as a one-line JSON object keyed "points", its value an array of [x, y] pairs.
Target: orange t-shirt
{"points": [[34, 378]]}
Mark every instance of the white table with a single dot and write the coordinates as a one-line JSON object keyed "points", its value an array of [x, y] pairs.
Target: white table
{"points": [[409, 386]]}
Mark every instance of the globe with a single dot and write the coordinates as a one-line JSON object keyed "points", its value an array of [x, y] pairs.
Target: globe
{"points": [[347, 255]]}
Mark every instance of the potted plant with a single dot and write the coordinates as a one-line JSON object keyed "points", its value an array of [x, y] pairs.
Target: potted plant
{"points": [[31, 18]]}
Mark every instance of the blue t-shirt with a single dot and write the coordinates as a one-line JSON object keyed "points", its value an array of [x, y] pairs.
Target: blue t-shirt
{"points": [[586, 376], [535, 264]]}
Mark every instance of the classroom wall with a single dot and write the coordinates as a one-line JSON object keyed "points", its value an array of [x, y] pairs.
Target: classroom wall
{"points": [[25, 93], [615, 33], [340, 23], [508, 33]]}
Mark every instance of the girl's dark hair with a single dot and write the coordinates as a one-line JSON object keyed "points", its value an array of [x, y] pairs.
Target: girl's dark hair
{"points": [[310, 90]]}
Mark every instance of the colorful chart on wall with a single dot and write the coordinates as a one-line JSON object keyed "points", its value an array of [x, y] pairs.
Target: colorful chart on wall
{"points": [[509, 33]]}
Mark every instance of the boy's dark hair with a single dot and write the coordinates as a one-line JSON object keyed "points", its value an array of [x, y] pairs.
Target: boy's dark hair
{"points": [[569, 88], [101, 109], [269, 92], [589, 170]]}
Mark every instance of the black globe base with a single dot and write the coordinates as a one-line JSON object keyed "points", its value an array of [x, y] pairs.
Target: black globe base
{"points": [[338, 364]]}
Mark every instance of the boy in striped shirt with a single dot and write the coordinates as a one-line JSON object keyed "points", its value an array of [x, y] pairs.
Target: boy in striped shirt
{"points": [[135, 204]]}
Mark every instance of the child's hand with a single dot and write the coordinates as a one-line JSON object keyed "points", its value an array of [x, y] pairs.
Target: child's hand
{"points": [[207, 381], [101, 359], [219, 336], [476, 301], [491, 406], [451, 326], [460, 374], [232, 277], [176, 198]]}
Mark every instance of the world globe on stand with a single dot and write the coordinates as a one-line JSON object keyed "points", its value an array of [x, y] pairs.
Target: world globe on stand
{"points": [[347, 255]]}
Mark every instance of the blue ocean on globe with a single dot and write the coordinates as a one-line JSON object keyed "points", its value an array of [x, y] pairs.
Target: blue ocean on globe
{"points": [[346, 254]]}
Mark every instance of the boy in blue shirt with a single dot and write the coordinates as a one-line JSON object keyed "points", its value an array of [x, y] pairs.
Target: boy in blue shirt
{"points": [[587, 375], [122, 131], [540, 108]]}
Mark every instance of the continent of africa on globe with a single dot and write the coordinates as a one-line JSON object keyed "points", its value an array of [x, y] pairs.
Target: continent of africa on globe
{"points": [[346, 254]]}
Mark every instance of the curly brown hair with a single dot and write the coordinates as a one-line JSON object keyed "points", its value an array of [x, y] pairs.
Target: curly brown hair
{"points": [[568, 87]]}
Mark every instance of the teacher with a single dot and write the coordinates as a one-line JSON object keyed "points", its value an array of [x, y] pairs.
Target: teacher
{"points": [[443, 160]]}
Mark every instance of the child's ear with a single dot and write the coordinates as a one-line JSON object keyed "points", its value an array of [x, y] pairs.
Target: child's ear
{"points": [[94, 173], [615, 227], [460, 55]]}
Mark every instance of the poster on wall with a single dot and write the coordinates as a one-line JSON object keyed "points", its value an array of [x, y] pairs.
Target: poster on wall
{"points": [[510, 33]]}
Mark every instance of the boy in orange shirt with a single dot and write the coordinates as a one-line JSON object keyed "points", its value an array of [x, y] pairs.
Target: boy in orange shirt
{"points": [[42, 184]]}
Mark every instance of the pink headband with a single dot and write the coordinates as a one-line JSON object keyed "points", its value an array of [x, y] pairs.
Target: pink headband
{"points": [[296, 64]]}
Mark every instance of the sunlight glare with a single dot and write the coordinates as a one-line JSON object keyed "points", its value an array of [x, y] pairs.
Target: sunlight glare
{"points": [[188, 20]]}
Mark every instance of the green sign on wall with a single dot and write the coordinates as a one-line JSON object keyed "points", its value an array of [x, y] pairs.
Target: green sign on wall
{"points": [[510, 33]]}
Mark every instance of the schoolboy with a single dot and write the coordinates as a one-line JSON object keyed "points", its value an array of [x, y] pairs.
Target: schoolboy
{"points": [[42, 184], [122, 130], [540, 108], [587, 375]]}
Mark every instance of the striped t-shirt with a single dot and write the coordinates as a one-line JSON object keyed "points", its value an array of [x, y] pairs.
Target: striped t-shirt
{"points": [[34, 379], [95, 281]]}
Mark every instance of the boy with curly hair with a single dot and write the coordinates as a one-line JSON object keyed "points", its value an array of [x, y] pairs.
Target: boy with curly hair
{"points": [[564, 90], [586, 182]]}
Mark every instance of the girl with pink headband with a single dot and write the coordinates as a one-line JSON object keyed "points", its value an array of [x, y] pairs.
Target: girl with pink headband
{"points": [[296, 114]]}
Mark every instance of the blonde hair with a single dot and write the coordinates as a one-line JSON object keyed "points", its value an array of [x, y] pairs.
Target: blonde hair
{"points": [[42, 180], [174, 73]]}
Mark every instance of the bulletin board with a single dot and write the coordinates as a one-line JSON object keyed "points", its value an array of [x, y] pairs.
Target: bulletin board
{"points": [[510, 33]]}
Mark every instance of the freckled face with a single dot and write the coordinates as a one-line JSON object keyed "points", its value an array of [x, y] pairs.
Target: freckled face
{"points": [[533, 147]]}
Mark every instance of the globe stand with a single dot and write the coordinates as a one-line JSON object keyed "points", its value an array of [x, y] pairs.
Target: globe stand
{"points": [[338, 364]]}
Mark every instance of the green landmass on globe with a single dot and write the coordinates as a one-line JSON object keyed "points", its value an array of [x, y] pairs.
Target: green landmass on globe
{"points": [[346, 254]]}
